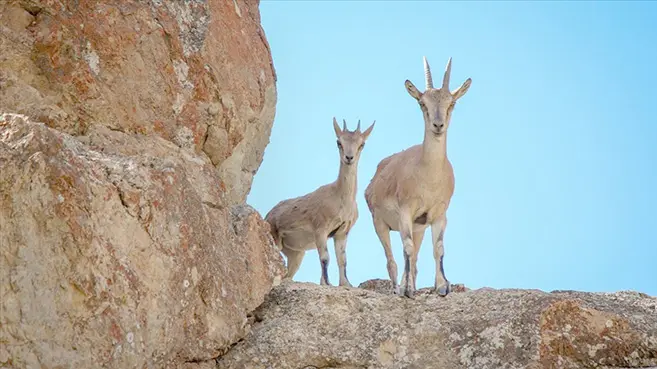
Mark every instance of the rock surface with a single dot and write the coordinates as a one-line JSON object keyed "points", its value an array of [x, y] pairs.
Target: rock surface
{"points": [[197, 73], [121, 251], [385, 286], [303, 325], [124, 238]]}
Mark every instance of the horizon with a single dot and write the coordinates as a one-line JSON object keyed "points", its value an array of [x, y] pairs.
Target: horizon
{"points": [[551, 146]]}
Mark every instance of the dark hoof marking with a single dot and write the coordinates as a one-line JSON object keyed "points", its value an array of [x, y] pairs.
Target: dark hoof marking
{"points": [[407, 283], [442, 270], [325, 272], [325, 283], [444, 290], [407, 266]]}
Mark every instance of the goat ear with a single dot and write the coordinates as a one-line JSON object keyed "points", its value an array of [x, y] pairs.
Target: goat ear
{"points": [[367, 132], [336, 128], [412, 90], [459, 92]]}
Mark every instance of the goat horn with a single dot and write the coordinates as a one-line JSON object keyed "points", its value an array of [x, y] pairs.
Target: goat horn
{"points": [[358, 127], [427, 73], [448, 72], [344, 125]]}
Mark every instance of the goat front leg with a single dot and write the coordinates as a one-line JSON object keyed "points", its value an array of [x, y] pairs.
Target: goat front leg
{"points": [[418, 236], [322, 250], [410, 256], [340, 241], [383, 231], [441, 285]]}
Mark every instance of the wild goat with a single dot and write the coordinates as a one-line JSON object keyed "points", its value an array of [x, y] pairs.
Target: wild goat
{"points": [[412, 189], [303, 223]]}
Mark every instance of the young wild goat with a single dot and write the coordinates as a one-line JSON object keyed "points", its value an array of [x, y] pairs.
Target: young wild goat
{"points": [[306, 222], [411, 189]]}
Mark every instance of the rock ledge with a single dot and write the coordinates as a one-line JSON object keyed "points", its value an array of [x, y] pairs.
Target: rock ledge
{"points": [[303, 325]]}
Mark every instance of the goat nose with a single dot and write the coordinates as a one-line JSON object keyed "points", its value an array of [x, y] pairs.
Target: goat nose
{"points": [[439, 126], [349, 158]]}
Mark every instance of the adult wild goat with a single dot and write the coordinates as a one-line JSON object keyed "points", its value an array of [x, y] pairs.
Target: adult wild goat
{"points": [[411, 190]]}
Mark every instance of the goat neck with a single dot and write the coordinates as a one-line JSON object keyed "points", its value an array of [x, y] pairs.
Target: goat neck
{"points": [[434, 149], [347, 180]]}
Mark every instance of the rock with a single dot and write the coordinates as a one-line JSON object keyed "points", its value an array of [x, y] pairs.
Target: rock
{"points": [[385, 286], [378, 285], [306, 325], [121, 251], [196, 73]]}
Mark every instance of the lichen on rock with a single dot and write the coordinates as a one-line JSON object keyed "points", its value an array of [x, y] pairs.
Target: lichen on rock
{"points": [[177, 69]]}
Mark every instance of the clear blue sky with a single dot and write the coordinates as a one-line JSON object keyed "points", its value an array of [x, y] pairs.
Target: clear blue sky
{"points": [[554, 147]]}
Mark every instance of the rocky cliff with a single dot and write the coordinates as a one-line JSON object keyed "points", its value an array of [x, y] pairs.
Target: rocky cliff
{"points": [[121, 251], [304, 325], [129, 136], [196, 73]]}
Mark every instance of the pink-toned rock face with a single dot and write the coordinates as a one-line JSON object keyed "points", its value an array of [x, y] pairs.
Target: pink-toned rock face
{"points": [[197, 73], [121, 251], [124, 238]]}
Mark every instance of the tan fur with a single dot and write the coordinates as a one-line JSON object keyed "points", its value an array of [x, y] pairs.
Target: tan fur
{"points": [[306, 222], [411, 190]]}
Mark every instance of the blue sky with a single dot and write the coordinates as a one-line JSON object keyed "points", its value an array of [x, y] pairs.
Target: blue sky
{"points": [[554, 146]]}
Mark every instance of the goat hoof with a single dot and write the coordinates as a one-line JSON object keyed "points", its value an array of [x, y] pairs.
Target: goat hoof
{"points": [[397, 291], [346, 284], [408, 293], [443, 290]]}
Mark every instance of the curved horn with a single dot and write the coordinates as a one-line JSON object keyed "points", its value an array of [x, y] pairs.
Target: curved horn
{"points": [[358, 127], [448, 72], [344, 125], [427, 74]]}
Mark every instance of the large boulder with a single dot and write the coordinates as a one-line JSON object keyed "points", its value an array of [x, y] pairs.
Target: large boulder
{"points": [[304, 325], [121, 251], [124, 238], [197, 73]]}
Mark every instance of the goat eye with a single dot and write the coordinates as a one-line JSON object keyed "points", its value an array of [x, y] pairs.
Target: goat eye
{"points": [[339, 144], [361, 146]]}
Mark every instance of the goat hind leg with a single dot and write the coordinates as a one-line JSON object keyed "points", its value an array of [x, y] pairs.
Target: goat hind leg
{"points": [[383, 231], [294, 259]]}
